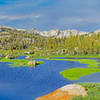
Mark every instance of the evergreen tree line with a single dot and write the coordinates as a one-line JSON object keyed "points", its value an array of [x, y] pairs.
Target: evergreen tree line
{"points": [[78, 44]]}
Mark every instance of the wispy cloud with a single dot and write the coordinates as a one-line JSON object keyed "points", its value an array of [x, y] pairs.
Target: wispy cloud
{"points": [[51, 14], [33, 16], [3, 17]]}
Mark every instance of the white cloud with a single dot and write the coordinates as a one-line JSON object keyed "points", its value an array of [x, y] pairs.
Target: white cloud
{"points": [[13, 18], [2, 17], [37, 16], [63, 13], [10, 17]]}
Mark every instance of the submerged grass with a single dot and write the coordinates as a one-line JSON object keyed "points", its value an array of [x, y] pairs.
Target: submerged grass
{"points": [[90, 62], [18, 62], [76, 73], [93, 90]]}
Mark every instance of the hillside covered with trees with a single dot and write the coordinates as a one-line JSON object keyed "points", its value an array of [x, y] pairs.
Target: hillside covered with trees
{"points": [[74, 44]]}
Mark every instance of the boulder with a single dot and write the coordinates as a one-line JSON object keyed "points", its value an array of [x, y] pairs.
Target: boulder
{"points": [[32, 63], [8, 56], [48, 58], [30, 52], [21, 64], [74, 89], [65, 93]]}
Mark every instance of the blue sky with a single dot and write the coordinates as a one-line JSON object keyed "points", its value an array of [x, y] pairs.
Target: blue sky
{"points": [[82, 15]]}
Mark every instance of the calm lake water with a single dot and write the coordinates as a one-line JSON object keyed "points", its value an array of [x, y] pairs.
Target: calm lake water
{"points": [[26, 83]]}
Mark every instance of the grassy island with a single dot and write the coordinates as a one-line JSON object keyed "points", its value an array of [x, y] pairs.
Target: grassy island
{"points": [[76, 73], [19, 62]]}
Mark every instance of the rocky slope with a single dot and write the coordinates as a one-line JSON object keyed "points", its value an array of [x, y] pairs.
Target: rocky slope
{"points": [[51, 33], [58, 33]]}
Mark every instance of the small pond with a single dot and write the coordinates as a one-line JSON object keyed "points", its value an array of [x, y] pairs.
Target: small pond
{"points": [[27, 83]]}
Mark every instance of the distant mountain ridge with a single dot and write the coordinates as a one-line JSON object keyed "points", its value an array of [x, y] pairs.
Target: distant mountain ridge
{"points": [[58, 33], [51, 33]]}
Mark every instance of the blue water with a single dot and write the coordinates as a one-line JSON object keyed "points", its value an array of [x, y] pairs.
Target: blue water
{"points": [[26, 83]]}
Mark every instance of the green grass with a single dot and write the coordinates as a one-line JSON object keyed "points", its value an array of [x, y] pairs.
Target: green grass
{"points": [[17, 62], [38, 53], [16, 53], [76, 73], [41, 52], [71, 56], [78, 56], [93, 90]]}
